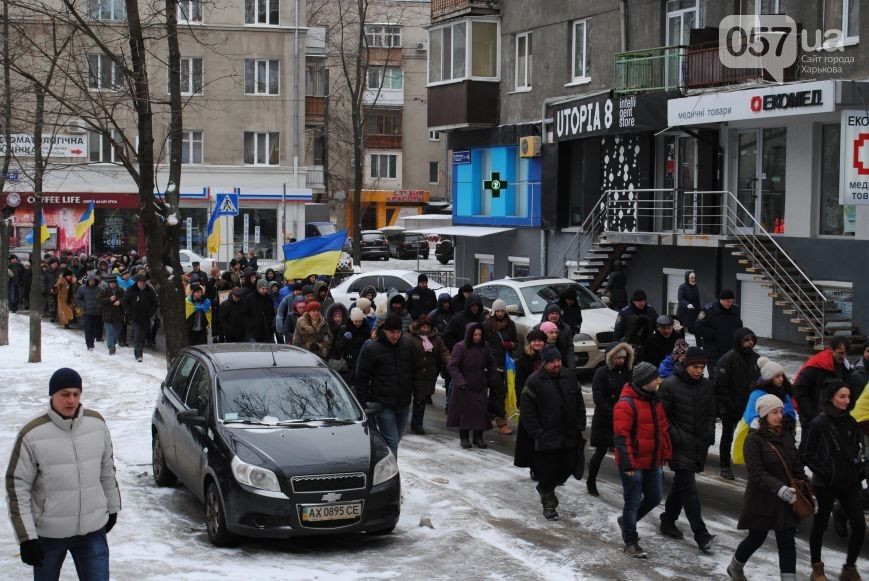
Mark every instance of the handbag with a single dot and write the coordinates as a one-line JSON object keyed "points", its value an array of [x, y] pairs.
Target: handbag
{"points": [[803, 507]]}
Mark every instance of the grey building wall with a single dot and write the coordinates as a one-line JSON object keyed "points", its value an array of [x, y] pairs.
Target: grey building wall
{"points": [[522, 242]]}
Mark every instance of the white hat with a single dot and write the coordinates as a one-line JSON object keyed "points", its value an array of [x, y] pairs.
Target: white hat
{"points": [[770, 370], [362, 303], [356, 314], [499, 305], [767, 403]]}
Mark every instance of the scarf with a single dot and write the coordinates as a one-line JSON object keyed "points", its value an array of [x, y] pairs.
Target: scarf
{"points": [[426, 344]]}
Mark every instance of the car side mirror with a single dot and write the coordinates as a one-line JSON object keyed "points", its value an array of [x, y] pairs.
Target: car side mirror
{"points": [[514, 310], [191, 418]]}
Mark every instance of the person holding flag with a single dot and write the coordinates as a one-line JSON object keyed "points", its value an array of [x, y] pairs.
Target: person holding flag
{"points": [[501, 338], [319, 254]]}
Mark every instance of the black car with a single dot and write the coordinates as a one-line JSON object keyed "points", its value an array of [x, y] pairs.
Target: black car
{"points": [[273, 442], [403, 245], [374, 245]]}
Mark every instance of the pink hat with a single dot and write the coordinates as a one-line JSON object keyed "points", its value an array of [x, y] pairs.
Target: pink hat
{"points": [[548, 326]]}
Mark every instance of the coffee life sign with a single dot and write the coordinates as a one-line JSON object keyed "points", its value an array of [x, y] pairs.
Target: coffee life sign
{"points": [[603, 115]]}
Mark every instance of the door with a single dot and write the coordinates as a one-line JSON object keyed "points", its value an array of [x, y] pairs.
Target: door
{"points": [[674, 281], [191, 442], [761, 177], [756, 308], [680, 174], [681, 18], [171, 402]]}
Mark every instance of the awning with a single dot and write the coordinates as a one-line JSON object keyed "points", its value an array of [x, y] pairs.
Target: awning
{"points": [[466, 231]]}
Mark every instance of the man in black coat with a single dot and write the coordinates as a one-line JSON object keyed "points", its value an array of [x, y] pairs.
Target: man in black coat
{"points": [[259, 314], [689, 401], [472, 313], [140, 304], [736, 371], [232, 317], [388, 372], [662, 342], [553, 412], [716, 324], [460, 300], [639, 307], [809, 383], [421, 300]]}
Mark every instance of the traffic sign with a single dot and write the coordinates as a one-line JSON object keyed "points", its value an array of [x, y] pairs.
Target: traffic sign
{"points": [[227, 204]]}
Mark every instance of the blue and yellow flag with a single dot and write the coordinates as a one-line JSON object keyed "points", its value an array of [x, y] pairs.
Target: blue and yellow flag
{"points": [[316, 255], [86, 221], [512, 403], [214, 232], [44, 234]]}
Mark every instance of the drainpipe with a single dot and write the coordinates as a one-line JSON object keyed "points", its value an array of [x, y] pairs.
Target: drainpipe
{"points": [[544, 270], [296, 138], [623, 13]]}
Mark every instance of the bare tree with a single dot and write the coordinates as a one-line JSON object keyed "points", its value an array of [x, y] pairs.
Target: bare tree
{"points": [[7, 161]]}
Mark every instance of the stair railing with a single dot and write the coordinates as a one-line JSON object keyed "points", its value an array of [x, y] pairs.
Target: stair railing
{"points": [[590, 229]]}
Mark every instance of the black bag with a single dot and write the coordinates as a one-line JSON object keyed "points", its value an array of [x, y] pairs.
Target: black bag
{"points": [[579, 468]]}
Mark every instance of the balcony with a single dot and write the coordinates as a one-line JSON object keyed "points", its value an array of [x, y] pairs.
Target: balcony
{"points": [[644, 71], [463, 104], [315, 177], [382, 141], [442, 10], [315, 110]]}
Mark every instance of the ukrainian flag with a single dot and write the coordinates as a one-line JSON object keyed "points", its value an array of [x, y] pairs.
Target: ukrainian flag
{"points": [[512, 402], [214, 232], [316, 255], [86, 221], [44, 234]]}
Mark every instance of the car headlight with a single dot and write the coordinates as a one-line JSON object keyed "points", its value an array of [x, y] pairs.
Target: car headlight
{"points": [[254, 476], [582, 337], [385, 469]]}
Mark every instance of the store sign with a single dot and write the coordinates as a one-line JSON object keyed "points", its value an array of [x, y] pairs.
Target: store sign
{"points": [[462, 156], [57, 145], [609, 115], [854, 158], [399, 196], [778, 101], [83, 199], [189, 225]]}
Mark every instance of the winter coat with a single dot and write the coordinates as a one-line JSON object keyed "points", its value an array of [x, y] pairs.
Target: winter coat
{"points": [[637, 334], [473, 371], [140, 304], [716, 325], [606, 388], [112, 313], [689, 303], [456, 328], [734, 374], [432, 361], [47, 279], [389, 374], [552, 410], [858, 378], [622, 328], [442, 315], [497, 334], [420, 301], [665, 369], [350, 349], [87, 297], [259, 317], [810, 381], [833, 443], [570, 314], [658, 347], [313, 336], [232, 321], [336, 349], [690, 408], [526, 365], [61, 477], [286, 317], [789, 412], [651, 448], [565, 338], [616, 288], [65, 294], [762, 509]]}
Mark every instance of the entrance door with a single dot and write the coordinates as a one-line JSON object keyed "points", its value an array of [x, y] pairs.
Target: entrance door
{"points": [[680, 174], [760, 175], [756, 308]]}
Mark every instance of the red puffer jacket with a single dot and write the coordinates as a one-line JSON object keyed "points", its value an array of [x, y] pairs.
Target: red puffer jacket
{"points": [[647, 445]]}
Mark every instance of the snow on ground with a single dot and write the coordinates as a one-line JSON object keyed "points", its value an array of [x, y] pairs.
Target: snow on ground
{"points": [[486, 516]]}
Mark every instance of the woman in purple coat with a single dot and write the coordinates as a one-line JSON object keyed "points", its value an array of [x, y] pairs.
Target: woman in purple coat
{"points": [[473, 370]]}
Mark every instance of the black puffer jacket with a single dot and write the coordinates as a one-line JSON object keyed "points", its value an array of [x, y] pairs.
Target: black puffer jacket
{"points": [[658, 347], [690, 407], [232, 320], [388, 374], [832, 443], [716, 326], [571, 314], [442, 315], [734, 374], [259, 317], [456, 328], [140, 304], [552, 409], [606, 387], [565, 336]]}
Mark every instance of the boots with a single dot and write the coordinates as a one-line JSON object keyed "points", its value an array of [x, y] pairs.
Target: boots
{"points": [[550, 503], [849, 573], [727, 473], [478, 440], [503, 426], [463, 439], [669, 529], [818, 572], [735, 570], [591, 479]]}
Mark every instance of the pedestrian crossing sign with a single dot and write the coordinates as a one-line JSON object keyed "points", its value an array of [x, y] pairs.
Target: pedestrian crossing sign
{"points": [[227, 204]]}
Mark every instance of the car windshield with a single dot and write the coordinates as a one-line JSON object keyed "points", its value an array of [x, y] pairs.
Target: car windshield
{"points": [[326, 229], [372, 237], [539, 296], [413, 277], [284, 394]]}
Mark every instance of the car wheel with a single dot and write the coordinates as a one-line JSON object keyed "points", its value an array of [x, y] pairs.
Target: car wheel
{"points": [[162, 475], [215, 519], [384, 258], [443, 260]]}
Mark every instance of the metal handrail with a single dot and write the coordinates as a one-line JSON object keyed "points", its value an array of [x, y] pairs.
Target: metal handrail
{"points": [[586, 230]]}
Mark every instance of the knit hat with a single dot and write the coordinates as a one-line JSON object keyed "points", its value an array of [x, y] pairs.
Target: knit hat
{"points": [[392, 322], [694, 356], [548, 327], [307, 290], [680, 348], [535, 335], [550, 353], [262, 283], [398, 298], [639, 295], [643, 373], [761, 361], [664, 321], [312, 306], [356, 314], [727, 294], [63, 378], [767, 403], [362, 303], [770, 370], [499, 305], [422, 278], [466, 288]]}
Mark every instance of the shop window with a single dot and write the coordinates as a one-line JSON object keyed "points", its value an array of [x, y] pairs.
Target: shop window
{"points": [[261, 77], [107, 9], [190, 11], [191, 76], [262, 12], [434, 168], [518, 267], [385, 78], [104, 72], [835, 219], [194, 230], [261, 148], [384, 166], [843, 15], [383, 36], [115, 230], [256, 229], [581, 60], [485, 268]]}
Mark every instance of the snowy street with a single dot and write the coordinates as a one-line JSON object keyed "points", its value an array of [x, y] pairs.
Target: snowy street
{"points": [[486, 516]]}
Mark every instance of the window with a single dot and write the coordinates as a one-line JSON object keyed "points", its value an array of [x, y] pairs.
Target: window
{"points": [[682, 16], [485, 268], [100, 148], [107, 9], [104, 72], [581, 60], [835, 219], [523, 61], [384, 165], [519, 266], [383, 36], [199, 394], [761, 7], [256, 229], [261, 77], [262, 12], [384, 123], [365, 281], [484, 49], [385, 78], [189, 11], [261, 148], [508, 294], [191, 147], [393, 282], [843, 15], [447, 53], [434, 170], [191, 76], [434, 135], [315, 79], [181, 379]]}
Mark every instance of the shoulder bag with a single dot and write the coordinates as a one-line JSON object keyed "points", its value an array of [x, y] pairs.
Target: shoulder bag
{"points": [[803, 506]]}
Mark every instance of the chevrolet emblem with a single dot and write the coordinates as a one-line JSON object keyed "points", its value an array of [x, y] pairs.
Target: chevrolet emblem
{"points": [[331, 497]]}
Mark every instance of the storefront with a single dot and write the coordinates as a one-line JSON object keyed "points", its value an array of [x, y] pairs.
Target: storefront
{"points": [[381, 208]]}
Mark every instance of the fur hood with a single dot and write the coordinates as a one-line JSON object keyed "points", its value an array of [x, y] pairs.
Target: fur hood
{"points": [[610, 355]]}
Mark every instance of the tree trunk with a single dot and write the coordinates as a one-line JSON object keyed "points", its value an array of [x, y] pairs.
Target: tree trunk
{"points": [[35, 352], [7, 160], [4, 282]]}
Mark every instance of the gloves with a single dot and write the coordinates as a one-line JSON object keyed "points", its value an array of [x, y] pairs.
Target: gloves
{"points": [[348, 335], [113, 518], [31, 553], [507, 345], [787, 494], [690, 306], [815, 503]]}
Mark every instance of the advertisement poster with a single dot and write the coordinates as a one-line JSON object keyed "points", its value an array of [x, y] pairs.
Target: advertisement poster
{"points": [[61, 223]]}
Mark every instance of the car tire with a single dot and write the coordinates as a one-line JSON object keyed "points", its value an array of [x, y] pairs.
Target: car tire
{"points": [[215, 519], [162, 475], [443, 260], [384, 258]]}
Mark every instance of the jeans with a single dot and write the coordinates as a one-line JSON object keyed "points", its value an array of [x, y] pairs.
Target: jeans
{"points": [[852, 505], [90, 553], [139, 332], [728, 427], [14, 296], [113, 330], [683, 494], [784, 540], [391, 423], [642, 493], [93, 328]]}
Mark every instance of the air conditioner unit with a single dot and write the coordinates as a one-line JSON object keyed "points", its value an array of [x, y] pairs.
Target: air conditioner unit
{"points": [[76, 126], [421, 46], [529, 146]]}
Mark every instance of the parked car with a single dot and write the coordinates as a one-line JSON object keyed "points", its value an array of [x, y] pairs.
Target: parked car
{"points": [[403, 245], [273, 442], [445, 249], [188, 258], [527, 298], [374, 245], [348, 290]]}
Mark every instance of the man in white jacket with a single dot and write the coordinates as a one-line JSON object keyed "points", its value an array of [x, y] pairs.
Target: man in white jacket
{"points": [[60, 485]]}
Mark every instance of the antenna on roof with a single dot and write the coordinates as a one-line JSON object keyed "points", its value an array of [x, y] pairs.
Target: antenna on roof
{"points": [[272, 347]]}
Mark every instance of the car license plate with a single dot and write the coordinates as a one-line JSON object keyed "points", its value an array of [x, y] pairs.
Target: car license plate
{"points": [[322, 512]]}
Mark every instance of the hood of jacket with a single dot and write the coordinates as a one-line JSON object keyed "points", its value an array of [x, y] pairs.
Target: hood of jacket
{"points": [[569, 293], [822, 360], [368, 290], [638, 392], [317, 286], [474, 299], [444, 299], [414, 330], [469, 331], [740, 334], [331, 310], [610, 355], [687, 274], [551, 308]]}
